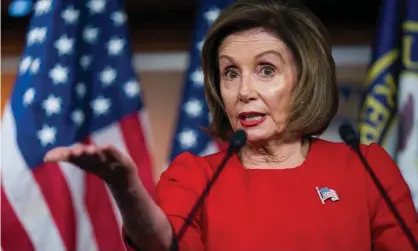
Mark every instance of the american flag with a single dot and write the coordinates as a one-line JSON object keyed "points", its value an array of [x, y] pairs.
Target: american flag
{"points": [[326, 193], [75, 84], [193, 111]]}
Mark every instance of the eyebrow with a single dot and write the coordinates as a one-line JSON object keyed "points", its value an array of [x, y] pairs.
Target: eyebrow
{"points": [[275, 52]]}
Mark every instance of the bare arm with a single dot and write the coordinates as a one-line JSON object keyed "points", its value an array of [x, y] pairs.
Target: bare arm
{"points": [[144, 221]]}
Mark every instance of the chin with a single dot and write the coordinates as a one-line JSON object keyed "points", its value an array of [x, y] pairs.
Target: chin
{"points": [[257, 137]]}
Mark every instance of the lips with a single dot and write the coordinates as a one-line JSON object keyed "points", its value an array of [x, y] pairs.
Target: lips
{"points": [[249, 115], [249, 119]]}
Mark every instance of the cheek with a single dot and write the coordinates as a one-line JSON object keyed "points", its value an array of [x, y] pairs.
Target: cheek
{"points": [[228, 97], [278, 101]]}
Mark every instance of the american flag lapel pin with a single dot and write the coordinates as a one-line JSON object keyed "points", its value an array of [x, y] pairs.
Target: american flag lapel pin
{"points": [[326, 193]]}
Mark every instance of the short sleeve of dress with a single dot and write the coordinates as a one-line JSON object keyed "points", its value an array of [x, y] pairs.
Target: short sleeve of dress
{"points": [[177, 191], [386, 233]]}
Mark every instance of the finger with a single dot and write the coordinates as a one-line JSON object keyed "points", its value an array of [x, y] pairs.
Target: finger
{"points": [[88, 157], [111, 153], [95, 153], [113, 157], [77, 150], [78, 156], [75, 155], [57, 154]]}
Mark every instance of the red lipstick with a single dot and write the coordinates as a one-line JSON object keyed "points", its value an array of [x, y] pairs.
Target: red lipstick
{"points": [[250, 119]]}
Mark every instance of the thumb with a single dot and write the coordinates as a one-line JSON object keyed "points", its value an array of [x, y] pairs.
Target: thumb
{"points": [[57, 154]]}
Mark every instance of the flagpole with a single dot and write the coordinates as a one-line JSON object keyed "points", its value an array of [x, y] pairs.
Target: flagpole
{"points": [[319, 194]]}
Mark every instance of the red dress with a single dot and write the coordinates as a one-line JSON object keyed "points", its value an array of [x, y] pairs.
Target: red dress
{"points": [[263, 210]]}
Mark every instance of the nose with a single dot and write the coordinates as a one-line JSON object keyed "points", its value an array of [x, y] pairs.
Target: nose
{"points": [[247, 91]]}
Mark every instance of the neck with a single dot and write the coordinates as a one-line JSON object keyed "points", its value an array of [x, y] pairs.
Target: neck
{"points": [[276, 154]]}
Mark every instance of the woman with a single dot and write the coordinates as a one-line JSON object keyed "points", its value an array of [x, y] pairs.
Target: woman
{"points": [[269, 71]]}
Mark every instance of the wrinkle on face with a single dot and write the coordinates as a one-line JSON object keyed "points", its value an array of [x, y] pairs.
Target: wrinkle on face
{"points": [[245, 54], [258, 74]]}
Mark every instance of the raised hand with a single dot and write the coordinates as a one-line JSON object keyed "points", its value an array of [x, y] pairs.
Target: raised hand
{"points": [[106, 162]]}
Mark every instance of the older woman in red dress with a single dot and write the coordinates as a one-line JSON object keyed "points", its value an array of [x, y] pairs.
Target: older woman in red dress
{"points": [[268, 71]]}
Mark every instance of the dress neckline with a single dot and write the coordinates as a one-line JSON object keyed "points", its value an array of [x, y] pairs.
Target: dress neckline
{"points": [[311, 153]]}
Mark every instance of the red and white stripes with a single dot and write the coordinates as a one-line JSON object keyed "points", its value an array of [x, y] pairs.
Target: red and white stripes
{"points": [[60, 207]]}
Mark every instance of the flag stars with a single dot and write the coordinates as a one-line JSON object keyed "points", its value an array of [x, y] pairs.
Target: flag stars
{"points": [[107, 76], [193, 108], [25, 64], [52, 105], [78, 117], [80, 89], [90, 34], [29, 96], [96, 6], [199, 46], [197, 77], [115, 46], [187, 139], [118, 17], [64, 45], [36, 35], [29, 64], [59, 74], [42, 7], [85, 61], [34, 68], [131, 88], [47, 135], [100, 105], [70, 15], [212, 14]]}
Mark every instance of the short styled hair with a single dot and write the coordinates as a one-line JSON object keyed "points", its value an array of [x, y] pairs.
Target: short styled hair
{"points": [[315, 96]]}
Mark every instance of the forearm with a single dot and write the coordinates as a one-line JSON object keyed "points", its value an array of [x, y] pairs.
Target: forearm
{"points": [[144, 221]]}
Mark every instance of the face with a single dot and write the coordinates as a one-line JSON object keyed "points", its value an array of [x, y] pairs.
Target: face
{"points": [[258, 74]]}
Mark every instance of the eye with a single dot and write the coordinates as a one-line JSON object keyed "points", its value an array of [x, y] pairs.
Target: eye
{"points": [[230, 74], [267, 70]]}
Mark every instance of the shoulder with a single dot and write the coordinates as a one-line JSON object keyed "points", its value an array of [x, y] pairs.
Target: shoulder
{"points": [[190, 160], [187, 174], [191, 166], [334, 149], [383, 165], [379, 160], [342, 159], [326, 145], [330, 151], [372, 152]]}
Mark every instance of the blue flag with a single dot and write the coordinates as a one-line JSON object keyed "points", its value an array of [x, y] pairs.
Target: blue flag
{"points": [[379, 105], [193, 111], [389, 111]]}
